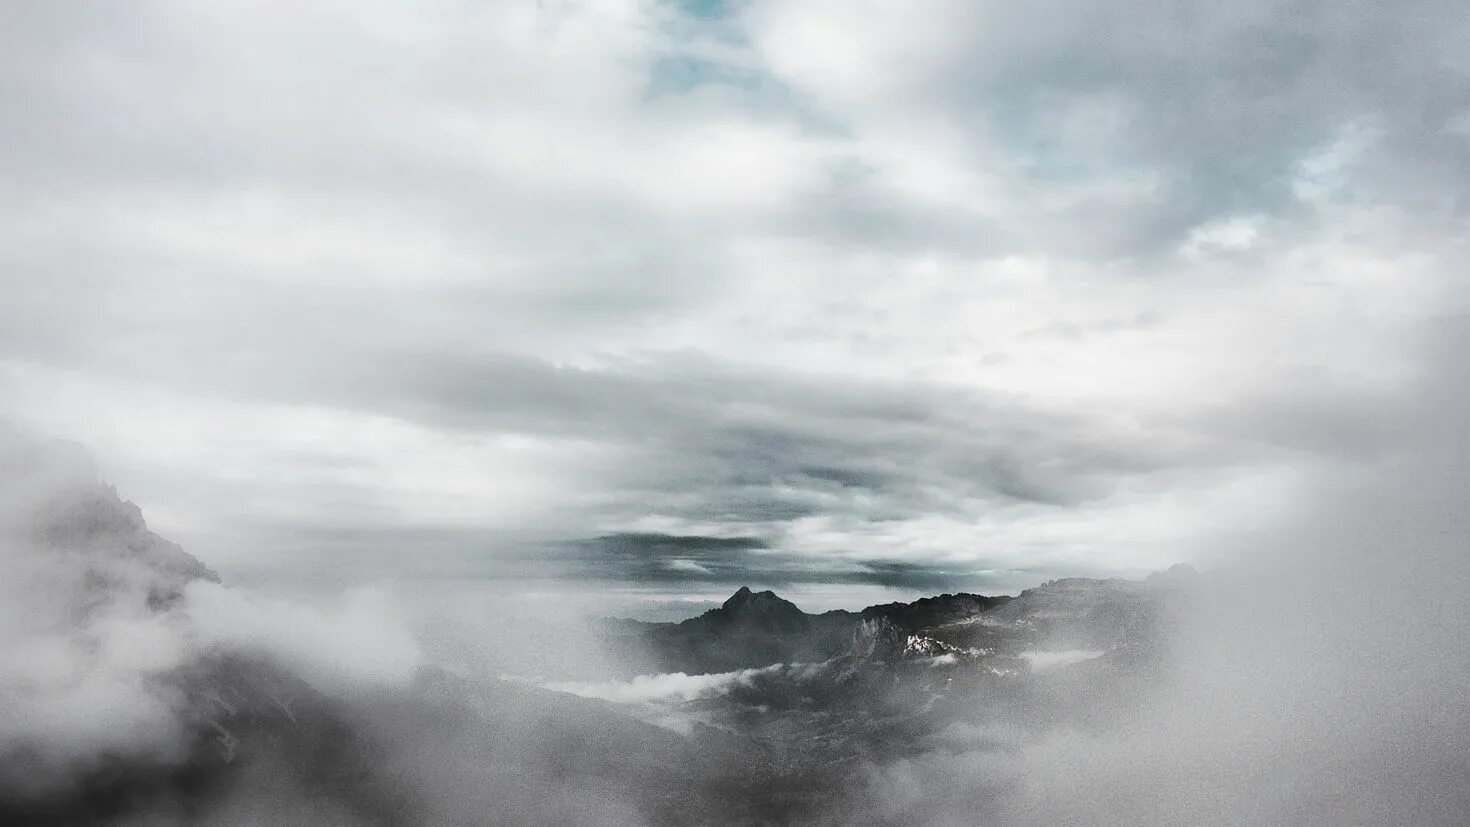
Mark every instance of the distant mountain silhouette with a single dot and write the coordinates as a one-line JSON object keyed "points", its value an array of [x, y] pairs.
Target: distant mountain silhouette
{"points": [[752, 629], [748, 611]]}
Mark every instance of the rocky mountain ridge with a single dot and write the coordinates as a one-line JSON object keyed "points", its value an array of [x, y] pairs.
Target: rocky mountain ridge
{"points": [[755, 629]]}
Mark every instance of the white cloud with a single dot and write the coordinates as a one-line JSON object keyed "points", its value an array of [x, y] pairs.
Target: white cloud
{"points": [[686, 566], [666, 688]]}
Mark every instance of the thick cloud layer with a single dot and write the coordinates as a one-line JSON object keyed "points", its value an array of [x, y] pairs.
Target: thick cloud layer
{"points": [[1013, 290]]}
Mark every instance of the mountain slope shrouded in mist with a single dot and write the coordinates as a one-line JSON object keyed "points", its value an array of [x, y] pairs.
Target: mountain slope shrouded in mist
{"points": [[139, 690], [137, 687], [124, 696], [136, 690]]}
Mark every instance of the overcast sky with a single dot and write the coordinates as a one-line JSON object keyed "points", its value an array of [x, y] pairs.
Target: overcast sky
{"points": [[893, 293]]}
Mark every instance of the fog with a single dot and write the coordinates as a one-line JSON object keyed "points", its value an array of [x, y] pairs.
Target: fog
{"points": [[1317, 676], [1316, 673], [134, 685]]}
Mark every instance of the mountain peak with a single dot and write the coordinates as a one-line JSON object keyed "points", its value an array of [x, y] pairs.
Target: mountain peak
{"points": [[745, 597], [765, 609]]}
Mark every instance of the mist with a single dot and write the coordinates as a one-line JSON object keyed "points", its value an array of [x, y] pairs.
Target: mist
{"points": [[1317, 675], [140, 690], [1314, 674]]}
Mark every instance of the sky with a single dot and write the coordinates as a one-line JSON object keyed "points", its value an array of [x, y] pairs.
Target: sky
{"points": [[846, 298]]}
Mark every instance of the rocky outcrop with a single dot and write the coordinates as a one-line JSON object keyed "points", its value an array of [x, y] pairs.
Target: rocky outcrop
{"points": [[56, 511]]}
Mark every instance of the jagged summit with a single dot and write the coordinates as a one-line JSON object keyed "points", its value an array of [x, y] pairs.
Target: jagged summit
{"points": [[758, 628], [764, 610], [743, 593], [744, 599], [53, 502]]}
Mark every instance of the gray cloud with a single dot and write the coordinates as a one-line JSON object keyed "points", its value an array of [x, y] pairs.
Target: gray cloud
{"points": [[730, 562], [956, 286], [711, 442]]}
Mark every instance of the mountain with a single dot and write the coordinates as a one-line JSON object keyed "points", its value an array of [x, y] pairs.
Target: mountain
{"points": [[757, 629], [824, 696], [117, 707], [933, 611], [754, 612], [55, 510], [753, 629]]}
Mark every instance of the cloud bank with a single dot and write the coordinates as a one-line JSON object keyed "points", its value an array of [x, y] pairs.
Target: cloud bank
{"points": [[956, 286]]}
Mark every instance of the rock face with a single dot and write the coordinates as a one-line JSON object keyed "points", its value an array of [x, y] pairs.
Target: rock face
{"points": [[110, 539], [927, 612], [55, 509], [878, 638]]}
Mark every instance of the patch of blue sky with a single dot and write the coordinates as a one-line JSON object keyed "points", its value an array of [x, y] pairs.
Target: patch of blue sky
{"points": [[707, 9], [684, 73], [674, 74]]}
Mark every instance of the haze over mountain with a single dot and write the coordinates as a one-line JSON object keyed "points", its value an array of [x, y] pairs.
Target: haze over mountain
{"points": [[229, 720], [139, 688]]}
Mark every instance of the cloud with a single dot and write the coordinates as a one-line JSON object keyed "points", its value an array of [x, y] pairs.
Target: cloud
{"points": [[686, 566], [668, 688], [1150, 122], [1311, 680], [940, 283], [359, 643], [136, 689], [657, 560]]}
